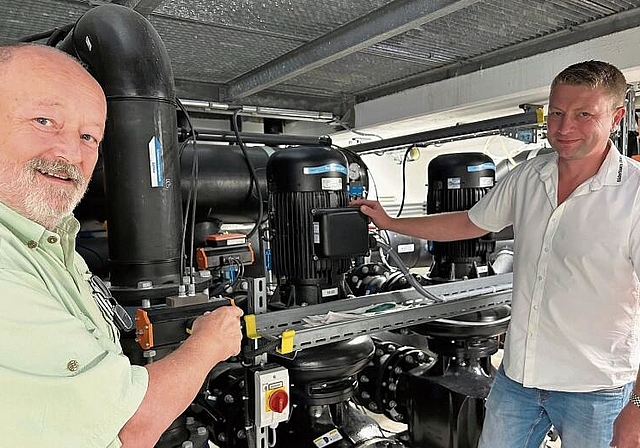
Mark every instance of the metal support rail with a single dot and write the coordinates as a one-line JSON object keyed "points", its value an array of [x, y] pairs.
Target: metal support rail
{"points": [[458, 298]]}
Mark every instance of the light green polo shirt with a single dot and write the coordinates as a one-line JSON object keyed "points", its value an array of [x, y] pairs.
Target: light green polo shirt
{"points": [[64, 381]]}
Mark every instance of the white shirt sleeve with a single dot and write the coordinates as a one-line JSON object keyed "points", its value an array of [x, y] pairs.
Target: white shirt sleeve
{"points": [[496, 210]]}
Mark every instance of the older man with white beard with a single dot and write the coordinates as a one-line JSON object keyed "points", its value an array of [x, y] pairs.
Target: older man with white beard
{"points": [[64, 381]]}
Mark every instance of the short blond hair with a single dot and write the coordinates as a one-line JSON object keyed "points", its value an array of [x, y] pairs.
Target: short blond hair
{"points": [[595, 74]]}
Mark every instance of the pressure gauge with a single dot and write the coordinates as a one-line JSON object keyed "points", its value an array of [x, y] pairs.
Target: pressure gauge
{"points": [[355, 172]]}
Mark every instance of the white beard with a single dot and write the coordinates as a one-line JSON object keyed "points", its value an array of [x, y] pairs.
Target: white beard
{"points": [[23, 189]]}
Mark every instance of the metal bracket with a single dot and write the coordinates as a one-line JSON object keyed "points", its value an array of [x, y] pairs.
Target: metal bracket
{"points": [[459, 298]]}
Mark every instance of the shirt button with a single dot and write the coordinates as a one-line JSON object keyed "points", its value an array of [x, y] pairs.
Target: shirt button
{"points": [[73, 365], [546, 249], [535, 307], [32, 244], [52, 239], [539, 278]]}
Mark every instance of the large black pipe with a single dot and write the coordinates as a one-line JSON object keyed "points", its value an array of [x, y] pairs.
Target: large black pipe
{"points": [[140, 148], [225, 189]]}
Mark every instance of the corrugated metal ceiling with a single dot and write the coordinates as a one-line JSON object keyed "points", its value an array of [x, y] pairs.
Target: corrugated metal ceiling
{"points": [[331, 54]]}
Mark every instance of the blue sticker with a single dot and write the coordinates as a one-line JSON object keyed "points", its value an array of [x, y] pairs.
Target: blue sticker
{"points": [[156, 163], [356, 190], [484, 166], [331, 167], [268, 260]]}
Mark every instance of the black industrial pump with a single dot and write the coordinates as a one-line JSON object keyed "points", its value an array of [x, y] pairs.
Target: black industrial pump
{"points": [[455, 183], [314, 235]]}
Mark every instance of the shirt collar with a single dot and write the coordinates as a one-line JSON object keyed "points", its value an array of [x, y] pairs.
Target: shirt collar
{"points": [[613, 170], [27, 230], [545, 165]]}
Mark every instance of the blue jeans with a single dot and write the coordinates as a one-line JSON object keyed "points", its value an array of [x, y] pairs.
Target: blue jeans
{"points": [[520, 417]]}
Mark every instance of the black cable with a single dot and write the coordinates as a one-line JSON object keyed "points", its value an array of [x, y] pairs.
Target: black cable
{"points": [[38, 36], [194, 173], [183, 145], [59, 34], [184, 237], [252, 172], [191, 204], [270, 346], [404, 180]]}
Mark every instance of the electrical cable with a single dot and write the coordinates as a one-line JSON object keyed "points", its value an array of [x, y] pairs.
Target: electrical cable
{"points": [[410, 278], [252, 172], [184, 237], [183, 145], [192, 200], [59, 34], [194, 174], [37, 36], [404, 181], [352, 129]]}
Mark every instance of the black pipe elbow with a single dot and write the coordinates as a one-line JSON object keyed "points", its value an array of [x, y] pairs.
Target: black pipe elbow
{"points": [[123, 52], [140, 148]]}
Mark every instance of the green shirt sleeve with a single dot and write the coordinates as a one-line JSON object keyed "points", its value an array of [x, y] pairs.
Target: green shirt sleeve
{"points": [[64, 382]]}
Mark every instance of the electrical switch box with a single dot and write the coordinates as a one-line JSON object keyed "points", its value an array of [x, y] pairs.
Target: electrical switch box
{"points": [[271, 388]]}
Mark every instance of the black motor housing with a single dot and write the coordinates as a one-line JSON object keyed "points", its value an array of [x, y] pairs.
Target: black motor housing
{"points": [[301, 181], [456, 182]]}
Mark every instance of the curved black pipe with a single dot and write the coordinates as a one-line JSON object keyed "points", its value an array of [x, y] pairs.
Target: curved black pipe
{"points": [[140, 148]]}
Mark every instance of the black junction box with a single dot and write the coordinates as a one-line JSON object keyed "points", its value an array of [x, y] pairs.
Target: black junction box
{"points": [[340, 232]]}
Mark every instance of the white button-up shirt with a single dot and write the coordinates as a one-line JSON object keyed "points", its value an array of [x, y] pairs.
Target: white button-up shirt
{"points": [[575, 320]]}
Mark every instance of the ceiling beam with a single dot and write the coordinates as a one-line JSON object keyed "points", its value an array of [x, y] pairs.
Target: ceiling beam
{"points": [[388, 21], [144, 7], [573, 35], [203, 91]]}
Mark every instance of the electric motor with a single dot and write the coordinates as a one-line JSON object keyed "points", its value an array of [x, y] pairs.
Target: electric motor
{"points": [[301, 181], [455, 183]]}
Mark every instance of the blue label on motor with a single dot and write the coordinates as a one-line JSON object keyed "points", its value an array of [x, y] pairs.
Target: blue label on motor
{"points": [[484, 166], [329, 168], [356, 190]]}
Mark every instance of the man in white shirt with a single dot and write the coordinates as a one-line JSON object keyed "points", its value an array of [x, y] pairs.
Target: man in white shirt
{"points": [[572, 352]]}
